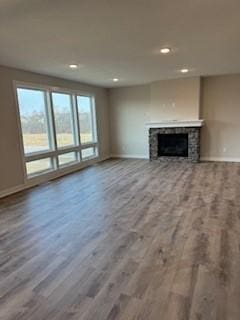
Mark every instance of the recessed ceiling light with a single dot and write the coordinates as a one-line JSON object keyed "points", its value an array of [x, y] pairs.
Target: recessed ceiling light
{"points": [[165, 50], [184, 70], [73, 66], [115, 79]]}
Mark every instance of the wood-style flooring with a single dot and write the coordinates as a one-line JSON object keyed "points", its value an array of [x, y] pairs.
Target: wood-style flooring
{"points": [[125, 239]]}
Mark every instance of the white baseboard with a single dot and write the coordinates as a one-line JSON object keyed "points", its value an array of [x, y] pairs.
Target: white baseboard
{"points": [[142, 156], [103, 158], [130, 156], [220, 159], [12, 190], [30, 184], [51, 176]]}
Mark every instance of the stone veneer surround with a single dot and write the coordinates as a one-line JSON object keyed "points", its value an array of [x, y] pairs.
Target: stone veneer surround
{"points": [[193, 143]]}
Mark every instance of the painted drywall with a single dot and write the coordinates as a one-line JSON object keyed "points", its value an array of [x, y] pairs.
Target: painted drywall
{"points": [[11, 168], [128, 115], [175, 99], [220, 108], [132, 107]]}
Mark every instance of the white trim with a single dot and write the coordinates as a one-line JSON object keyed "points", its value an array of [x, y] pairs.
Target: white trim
{"points": [[50, 154], [175, 123], [50, 175], [43, 178], [55, 151], [142, 156], [89, 145], [19, 127], [65, 171], [220, 159], [37, 86], [12, 190], [130, 156], [104, 158]]}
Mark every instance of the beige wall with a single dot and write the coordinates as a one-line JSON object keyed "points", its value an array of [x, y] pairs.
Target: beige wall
{"points": [[220, 108], [128, 115], [175, 99], [11, 171], [131, 107]]}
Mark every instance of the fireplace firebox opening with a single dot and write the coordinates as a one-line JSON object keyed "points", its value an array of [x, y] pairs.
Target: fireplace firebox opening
{"points": [[173, 145]]}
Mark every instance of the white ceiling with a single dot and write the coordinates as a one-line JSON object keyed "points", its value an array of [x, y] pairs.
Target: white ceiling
{"points": [[120, 38]]}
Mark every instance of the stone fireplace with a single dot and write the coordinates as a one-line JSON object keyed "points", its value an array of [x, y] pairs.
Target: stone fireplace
{"points": [[175, 140]]}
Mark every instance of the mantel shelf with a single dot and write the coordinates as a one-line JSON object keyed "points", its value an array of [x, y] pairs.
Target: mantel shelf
{"points": [[175, 123]]}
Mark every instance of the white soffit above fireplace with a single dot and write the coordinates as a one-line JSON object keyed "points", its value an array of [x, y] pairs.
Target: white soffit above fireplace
{"points": [[175, 123]]}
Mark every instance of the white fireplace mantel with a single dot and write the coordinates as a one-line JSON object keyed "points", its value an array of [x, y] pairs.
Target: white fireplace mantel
{"points": [[175, 123]]}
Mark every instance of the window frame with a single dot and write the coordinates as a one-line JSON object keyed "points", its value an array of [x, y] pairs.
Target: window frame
{"points": [[70, 162], [48, 121], [55, 151], [40, 172], [73, 120], [93, 119]]}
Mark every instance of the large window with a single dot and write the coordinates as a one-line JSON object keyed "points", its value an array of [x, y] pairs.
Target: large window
{"points": [[34, 120], [38, 166], [58, 128], [63, 116], [85, 115]]}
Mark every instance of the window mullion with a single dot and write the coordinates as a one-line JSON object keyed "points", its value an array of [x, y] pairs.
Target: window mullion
{"points": [[53, 127], [94, 126], [38, 154], [78, 126], [93, 119], [75, 121], [49, 120]]}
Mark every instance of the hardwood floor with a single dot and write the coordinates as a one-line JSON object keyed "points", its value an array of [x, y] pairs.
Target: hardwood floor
{"points": [[126, 239]]}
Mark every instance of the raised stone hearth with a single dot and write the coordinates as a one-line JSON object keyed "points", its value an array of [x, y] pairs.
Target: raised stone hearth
{"points": [[184, 141]]}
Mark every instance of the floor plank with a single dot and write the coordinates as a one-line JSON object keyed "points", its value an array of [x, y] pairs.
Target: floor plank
{"points": [[124, 239]]}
